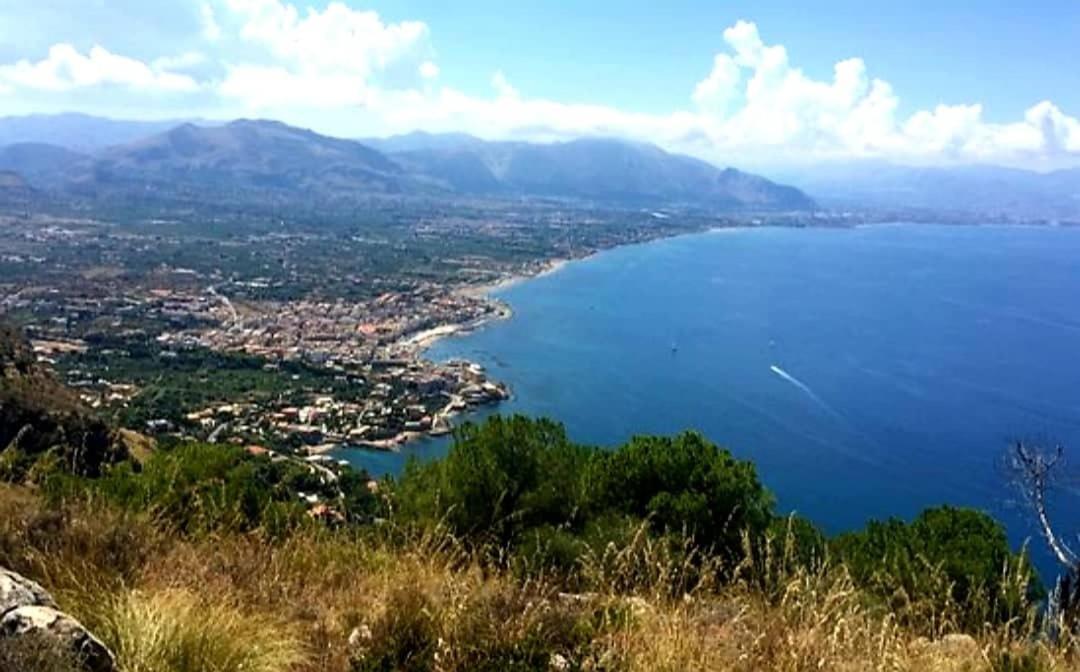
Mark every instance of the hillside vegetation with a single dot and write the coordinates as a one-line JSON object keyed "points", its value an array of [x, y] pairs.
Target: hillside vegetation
{"points": [[42, 423], [521, 550]]}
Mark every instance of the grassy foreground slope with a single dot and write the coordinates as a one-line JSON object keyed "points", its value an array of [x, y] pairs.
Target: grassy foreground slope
{"points": [[258, 586]]}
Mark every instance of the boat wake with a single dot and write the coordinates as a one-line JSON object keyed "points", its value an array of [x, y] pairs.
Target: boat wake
{"points": [[803, 387]]}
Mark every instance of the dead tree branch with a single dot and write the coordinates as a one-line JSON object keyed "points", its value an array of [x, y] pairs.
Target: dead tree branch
{"points": [[1033, 469]]}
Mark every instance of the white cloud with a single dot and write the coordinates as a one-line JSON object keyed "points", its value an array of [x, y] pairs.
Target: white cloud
{"points": [[502, 86], [337, 38], [323, 58], [428, 70], [755, 106], [273, 87], [211, 31], [716, 93], [65, 68], [184, 61], [350, 72], [754, 101]]}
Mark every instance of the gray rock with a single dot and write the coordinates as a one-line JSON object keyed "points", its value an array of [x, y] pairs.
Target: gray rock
{"points": [[18, 591], [49, 623]]}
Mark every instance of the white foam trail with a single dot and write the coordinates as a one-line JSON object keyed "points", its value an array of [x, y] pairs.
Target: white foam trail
{"points": [[805, 389], [802, 386]]}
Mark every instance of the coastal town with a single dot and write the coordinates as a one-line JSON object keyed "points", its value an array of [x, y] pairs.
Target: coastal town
{"points": [[354, 372], [287, 335]]}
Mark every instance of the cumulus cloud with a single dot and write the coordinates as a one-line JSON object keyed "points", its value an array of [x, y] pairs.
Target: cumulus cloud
{"points": [[754, 104], [319, 52], [65, 68], [716, 93], [185, 61], [782, 112], [211, 31], [428, 70], [274, 87], [351, 72], [502, 86]]}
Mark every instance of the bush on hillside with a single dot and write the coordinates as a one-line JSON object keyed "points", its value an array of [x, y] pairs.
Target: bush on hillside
{"points": [[955, 562], [174, 631], [40, 418], [499, 479], [683, 485], [518, 484], [198, 488]]}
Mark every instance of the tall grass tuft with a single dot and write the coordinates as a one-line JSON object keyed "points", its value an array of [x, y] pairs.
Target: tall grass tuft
{"points": [[176, 631]]}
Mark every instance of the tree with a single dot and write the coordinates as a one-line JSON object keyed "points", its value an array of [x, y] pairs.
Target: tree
{"points": [[498, 479], [683, 484], [514, 475]]}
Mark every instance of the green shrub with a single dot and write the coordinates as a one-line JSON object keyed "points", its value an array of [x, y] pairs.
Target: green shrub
{"points": [[948, 564], [498, 479], [683, 485], [199, 488], [520, 482]]}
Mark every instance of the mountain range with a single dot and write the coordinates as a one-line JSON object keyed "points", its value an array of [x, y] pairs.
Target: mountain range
{"points": [[256, 156], [593, 168], [90, 156], [990, 190], [80, 132]]}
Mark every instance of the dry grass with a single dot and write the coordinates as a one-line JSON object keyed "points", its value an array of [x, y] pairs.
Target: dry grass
{"points": [[383, 600], [175, 631]]}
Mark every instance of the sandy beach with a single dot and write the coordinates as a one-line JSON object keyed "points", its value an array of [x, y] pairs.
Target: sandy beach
{"points": [[422, 340], [548, 267]]}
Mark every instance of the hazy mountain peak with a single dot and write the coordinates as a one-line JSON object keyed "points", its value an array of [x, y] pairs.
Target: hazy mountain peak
{"points": [[261, 154], [419, 140], [77, 131]]}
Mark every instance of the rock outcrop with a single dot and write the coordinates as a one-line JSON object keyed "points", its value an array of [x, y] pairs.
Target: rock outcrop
{"points": [[27, 609], [18, 591]]}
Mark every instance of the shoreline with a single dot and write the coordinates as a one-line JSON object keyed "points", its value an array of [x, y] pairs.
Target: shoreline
{"points": [[419, 342], [416, 344], [548, 267]]}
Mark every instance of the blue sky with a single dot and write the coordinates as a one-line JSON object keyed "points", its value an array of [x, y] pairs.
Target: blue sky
{"points": [[650, 54], [765, 82]]}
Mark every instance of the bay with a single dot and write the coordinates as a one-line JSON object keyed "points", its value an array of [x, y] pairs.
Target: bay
{"points": [[868, 372]]}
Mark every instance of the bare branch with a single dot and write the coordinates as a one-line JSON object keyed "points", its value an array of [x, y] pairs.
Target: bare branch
{"points": [[1033, 469]]}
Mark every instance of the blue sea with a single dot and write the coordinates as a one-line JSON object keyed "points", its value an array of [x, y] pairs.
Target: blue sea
{"points": [[868, 372]]}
